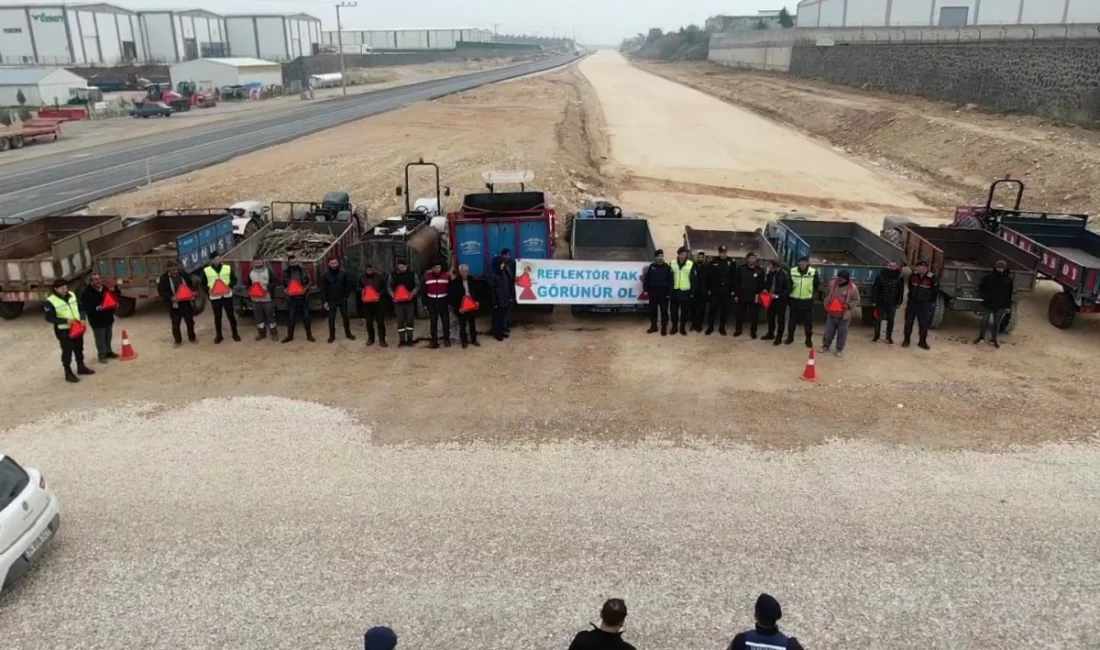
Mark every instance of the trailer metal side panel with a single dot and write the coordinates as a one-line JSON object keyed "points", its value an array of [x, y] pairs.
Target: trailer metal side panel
{"points": [[35, 253], [1069, 253], [739, 243], [835, 245], [131, 255], [961, 257]]}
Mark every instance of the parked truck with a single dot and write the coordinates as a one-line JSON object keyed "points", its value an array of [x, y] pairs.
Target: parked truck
{"points": [[134, 258], [490, 221], [960, 258], [738, 243], [344, 234], [832, 246], [612, 239], [1068, 252], [37, 252]]}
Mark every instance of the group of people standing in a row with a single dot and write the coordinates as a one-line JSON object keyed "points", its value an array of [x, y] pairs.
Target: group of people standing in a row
{"points": [[688, 293]]}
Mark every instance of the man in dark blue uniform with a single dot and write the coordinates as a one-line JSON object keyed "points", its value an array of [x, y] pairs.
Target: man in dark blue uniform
{"points": [[766, 634]]}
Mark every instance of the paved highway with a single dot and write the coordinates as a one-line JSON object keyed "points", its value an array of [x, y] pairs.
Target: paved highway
{"points": [[68, 180]]}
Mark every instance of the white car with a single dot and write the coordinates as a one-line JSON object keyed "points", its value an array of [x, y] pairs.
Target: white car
{"points": [[30, 516]]}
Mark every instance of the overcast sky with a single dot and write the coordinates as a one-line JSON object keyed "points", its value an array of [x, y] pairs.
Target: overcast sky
{"points": [[596, 21]]}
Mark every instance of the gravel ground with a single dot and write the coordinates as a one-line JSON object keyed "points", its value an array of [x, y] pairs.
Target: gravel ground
{"points": [[227, 524]]}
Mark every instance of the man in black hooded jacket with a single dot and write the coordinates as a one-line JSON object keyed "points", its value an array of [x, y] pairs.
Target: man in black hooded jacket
{"points": [[996, 290], [887, 294], [608, 635], [766, 634]]}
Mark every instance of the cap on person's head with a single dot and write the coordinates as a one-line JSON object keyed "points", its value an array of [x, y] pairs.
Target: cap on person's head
{"points": [[721, 249], [804, 258], [506, 251], [768, 612], [843, 273], [660, 252], [682, 249], [215, 255], [402, 262], [1001, 264], [613, 612], [60, 282], [380, 638]]}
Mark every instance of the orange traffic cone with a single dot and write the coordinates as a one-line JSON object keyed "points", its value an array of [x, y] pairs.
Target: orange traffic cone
{"points": [[128, 353], [809, 374]]}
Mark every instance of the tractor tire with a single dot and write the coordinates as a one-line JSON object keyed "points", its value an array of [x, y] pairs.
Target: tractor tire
{"points": [[939, 308], [5, 144], [17, 142], [1008, 321], [868, 316], [199, 302], [10, 310], [1062, 311], [126, 307]]}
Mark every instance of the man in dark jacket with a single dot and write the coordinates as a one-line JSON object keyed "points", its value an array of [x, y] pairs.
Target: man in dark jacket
{"points": [[371, 300], [180, 308], [64, 313], [750, 282], [699, 272], [335, 289], [403, 288], [778, 285], [501, 294], [721, 273], [924, 289], [298, 305], [766, 634], [887, 294], [608, 635], [507, 267], [996, 292], [461, 297], [657, 283], [100, 310]]}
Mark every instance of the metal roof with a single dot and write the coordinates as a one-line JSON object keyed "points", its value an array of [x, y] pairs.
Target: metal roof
{"points": [[241, 62], [23, 76]]}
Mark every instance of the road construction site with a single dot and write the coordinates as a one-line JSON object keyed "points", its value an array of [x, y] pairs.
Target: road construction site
{"points": [[907, 498]]}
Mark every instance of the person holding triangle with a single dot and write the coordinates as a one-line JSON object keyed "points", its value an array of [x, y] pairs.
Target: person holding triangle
{"points": [[177, 290], [100, 303], [372, 286], [261, 284], [841, 298], [464, 305], [403, 287], [63, 312], [220, 281], [296, 283]]}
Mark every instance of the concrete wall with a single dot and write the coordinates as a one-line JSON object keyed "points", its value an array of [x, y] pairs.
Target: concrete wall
{"points": [[927, 13]]}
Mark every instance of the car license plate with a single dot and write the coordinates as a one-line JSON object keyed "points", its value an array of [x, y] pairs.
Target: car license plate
{"points": [[37, 543]]}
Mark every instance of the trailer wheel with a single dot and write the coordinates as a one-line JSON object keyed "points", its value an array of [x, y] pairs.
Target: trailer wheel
{"points": [[1062, 311], [5, 144], [869, 316], [17, 142], [10, 310], [126, 307], [1008, 321], [939, 308], [199, 302]]}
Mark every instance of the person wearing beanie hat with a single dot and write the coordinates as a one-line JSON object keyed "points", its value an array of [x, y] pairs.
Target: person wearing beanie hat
{"points": [[608, 635], [657, 284], [681, 290], [841, 299], [379, 637], [766, 634], [63, 312], [996, 290]]}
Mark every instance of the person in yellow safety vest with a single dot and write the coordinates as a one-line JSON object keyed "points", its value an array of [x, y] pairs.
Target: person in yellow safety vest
{"points": [[63, 311], [805, 284], [216, 272], [681, 291]]}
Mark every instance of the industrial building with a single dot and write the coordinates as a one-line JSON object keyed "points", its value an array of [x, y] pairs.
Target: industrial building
{"points": [[105, 34], [945, 13], [39, 85], [208, 74], [408, 39], [763, 19], [272, 36]]}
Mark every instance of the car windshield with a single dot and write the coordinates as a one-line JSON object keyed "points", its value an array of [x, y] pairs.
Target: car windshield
{"points": [[13, 480]]}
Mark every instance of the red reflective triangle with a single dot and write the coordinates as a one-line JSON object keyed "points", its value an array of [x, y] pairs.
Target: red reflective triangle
{"points": [[402, 294], [183, 292], [256, 290], [295, 288], [370, 294], [468, 305], [220, 288], [835, 306], [766, 299], [76, 329], [109, 300]]}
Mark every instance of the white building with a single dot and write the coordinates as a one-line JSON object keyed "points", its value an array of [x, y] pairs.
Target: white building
{"points": [[39, 85], [208, 74], [69, 34], [409, 39], [273, 37], [182, 35], [947, 13]]}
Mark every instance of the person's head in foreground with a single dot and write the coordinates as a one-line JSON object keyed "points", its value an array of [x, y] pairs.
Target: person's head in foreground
{"points": [[380, 638]]}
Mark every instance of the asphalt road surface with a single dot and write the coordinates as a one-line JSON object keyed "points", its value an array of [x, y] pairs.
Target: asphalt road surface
{"points": [[53, 184]]}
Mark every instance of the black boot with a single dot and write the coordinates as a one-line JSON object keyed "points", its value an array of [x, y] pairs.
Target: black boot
{"points": [[924, 345], [348, 335], [82, 369], [683, 330], [261, 335], [218, 339], [382, 343], [447, 342], [788, 340], [768, 337], [664, 330], [905, 343], [370, 340], [70, 377], [309, 337], [236, 336], [809, 342], [778, 340], [651, 330]]}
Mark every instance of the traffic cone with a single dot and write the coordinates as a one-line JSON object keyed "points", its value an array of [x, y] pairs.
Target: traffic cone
{"points": [[809, 374], [128, 353]]}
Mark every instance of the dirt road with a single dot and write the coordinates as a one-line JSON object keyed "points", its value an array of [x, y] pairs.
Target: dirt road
{"points": [[687, 158]]}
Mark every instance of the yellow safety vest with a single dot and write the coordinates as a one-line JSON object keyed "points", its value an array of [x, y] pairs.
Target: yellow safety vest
{"points": [[681, 275], [69, 310], [802, 286], [213, 276]]}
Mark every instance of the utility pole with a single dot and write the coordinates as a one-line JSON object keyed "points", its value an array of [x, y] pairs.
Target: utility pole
{"points": [[340, 44], [495, 26]]}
